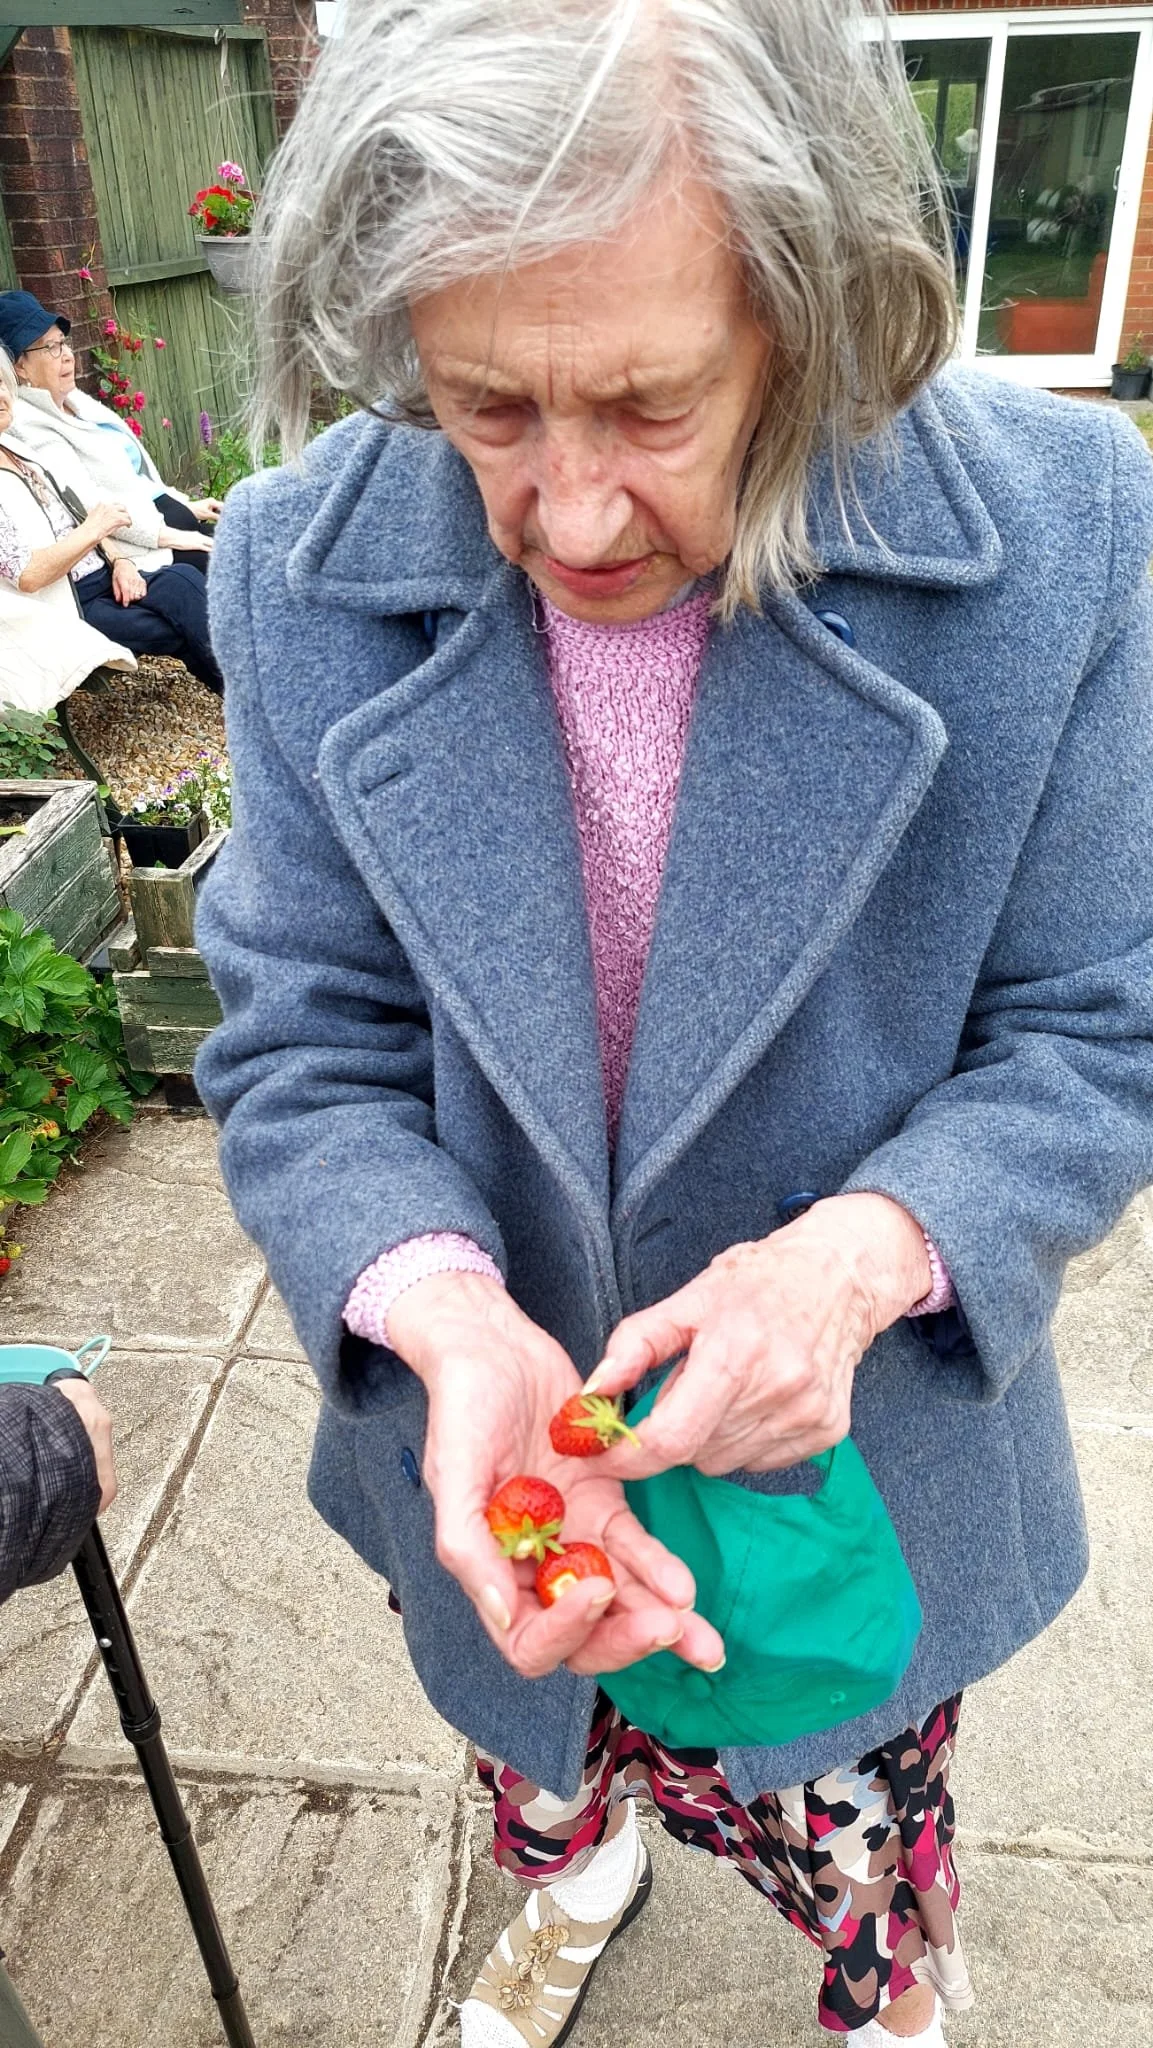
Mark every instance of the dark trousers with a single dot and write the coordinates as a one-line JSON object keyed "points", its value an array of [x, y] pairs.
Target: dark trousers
{"points": [[176, 513], [171, 619]]}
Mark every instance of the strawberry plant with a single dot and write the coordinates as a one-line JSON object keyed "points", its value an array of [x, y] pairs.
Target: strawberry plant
{"points": [[62, 1061]]}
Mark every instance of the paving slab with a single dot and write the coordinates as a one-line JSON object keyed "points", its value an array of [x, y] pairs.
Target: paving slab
{"points": [[1058, 1952], [270, 1333], [709, 1964], [331, 1904], [156, 1402], [140, 1242], [1103, 1329], [266, 1638], [1057, 1746]]}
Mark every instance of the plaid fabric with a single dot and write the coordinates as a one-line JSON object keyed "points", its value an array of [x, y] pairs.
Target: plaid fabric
{"points": [[49, 1492]]}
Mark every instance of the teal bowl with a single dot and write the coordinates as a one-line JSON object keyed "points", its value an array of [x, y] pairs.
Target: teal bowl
{"points": [[29, 1365]]}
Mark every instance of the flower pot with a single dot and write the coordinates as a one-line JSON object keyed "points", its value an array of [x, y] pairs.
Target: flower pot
{"points": [[1131, 383], [166, 846], [229, 259]]}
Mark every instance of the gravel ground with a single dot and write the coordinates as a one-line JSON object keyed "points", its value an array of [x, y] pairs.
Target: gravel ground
{"points": [[145, 728]]}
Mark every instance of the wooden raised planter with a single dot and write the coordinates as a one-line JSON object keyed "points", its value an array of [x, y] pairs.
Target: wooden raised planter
{"points": [[167, 1004], [58, 873]]}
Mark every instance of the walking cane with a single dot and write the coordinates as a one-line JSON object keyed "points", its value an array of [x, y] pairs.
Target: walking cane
{"points": [[42, 1365]]}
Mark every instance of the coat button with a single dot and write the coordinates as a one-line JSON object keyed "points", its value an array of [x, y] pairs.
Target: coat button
{"points": [[791, 1206], [409, 1467], [839, 625]]}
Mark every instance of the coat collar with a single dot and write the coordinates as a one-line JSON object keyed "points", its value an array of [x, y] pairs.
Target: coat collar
{"points": [[401, 527]]}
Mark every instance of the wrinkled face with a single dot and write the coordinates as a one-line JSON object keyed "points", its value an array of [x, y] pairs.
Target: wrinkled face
{"points": [[5, 408], [604, 400], [47, 371]]}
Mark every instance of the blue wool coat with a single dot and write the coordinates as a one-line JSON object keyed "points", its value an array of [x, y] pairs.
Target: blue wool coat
{"points": [[903, 943]]}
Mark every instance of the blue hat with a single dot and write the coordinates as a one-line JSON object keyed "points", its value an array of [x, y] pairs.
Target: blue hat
{"points": [[23, 320]]}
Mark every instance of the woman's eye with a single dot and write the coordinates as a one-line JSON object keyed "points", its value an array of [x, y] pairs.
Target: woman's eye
{"points": [[655, 422]]}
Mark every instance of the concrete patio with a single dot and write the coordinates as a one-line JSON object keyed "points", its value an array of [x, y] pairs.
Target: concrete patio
{"points": [[337, 1815]]}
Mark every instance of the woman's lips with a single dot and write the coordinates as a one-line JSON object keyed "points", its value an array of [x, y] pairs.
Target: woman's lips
{"points": [[610, 581]]}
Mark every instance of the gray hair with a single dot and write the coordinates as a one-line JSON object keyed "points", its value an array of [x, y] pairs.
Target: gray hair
{"points": [[441, 139], [8, 376]]}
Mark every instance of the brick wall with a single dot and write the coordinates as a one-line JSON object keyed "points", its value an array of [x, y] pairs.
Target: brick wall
{"points": [[290, 27], [47, 184]]}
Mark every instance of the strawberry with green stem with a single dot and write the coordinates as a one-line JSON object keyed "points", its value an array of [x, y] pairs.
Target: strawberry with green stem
{"points": [[588, 1424], [526, 1515]]}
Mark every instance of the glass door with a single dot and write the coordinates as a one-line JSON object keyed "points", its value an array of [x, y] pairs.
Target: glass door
{"points": [[1041, 132], [1060, 143]]}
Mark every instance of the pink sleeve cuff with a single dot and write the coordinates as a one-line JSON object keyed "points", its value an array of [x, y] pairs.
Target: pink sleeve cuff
{"points": [[381, 1284], [942, 1293]]}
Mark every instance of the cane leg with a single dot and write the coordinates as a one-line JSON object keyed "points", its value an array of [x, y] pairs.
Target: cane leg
{"points": [[140, 1720]]}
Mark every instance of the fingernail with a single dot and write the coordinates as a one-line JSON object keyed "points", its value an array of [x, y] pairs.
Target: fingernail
{"points": [[713, 1668], [666, 1642], [495, 1609], [594, 1379], [602, 1601]]}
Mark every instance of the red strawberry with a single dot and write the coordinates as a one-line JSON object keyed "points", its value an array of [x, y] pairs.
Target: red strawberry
{"points": [[525, 1516], [558, 1575], [5, 1263], [587, 1425]]}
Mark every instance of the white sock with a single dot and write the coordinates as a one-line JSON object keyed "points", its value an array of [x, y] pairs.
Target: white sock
{"points": [[597, 1894], [602, 1886], [874, 2035]]}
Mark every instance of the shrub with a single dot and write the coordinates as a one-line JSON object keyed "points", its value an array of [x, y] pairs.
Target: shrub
{"points": [[62, 1060], [29, 744]]}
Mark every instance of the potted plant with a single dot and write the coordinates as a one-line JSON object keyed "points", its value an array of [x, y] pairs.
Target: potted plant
{"points": [[162, 829], [1133, 375], [223, 215]]}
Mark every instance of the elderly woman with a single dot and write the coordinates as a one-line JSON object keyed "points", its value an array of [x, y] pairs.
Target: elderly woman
{"points": [[65, 427], [51, 529], [47, 648], [689, 901]]}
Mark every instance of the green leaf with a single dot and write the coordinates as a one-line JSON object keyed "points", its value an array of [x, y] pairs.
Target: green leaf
{"points": [[81, 1105], [22, 1004], [27, 1088], [33, 1192], [11, 923], [15, 1152], [64, 977]]}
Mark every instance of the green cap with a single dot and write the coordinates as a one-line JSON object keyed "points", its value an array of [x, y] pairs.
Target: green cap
{"points": [[810, 1593]]}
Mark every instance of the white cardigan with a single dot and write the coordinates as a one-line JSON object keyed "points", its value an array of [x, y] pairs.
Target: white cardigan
{"points": [[81, 453], [46, 648]]}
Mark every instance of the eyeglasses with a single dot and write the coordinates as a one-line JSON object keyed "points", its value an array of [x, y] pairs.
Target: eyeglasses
{"points": [[50, 348]]}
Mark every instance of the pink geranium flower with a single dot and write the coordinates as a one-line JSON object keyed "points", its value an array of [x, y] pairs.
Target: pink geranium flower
{"points": [[158, 341], [110, 328], [136, 428], [166, 423], [84, 274], [232, 174], [138, 401]]}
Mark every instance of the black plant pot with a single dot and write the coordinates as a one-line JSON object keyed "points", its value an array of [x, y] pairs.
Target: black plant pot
{"points": [[166, 846], [1131, 383]]}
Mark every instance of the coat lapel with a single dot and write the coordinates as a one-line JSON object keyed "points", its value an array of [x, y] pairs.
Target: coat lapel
{"points": [[805, 765], [803, 768], [452, 794]]}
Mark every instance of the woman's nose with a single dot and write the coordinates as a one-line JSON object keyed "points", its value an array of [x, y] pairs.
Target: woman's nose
{"points": [[583, 508]]}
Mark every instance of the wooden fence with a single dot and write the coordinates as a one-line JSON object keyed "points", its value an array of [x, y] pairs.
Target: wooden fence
{"points": [[161, 108]]}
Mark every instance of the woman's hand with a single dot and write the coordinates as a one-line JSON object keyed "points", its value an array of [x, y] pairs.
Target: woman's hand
{"points": [[101, 521], [206, 508], [98, 1424], [128, 584], [773, 1332], [493, 1380], [183, 539]]}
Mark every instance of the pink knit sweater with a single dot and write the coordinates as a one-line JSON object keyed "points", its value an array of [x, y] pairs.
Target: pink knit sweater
{"points": [[624, 696]]}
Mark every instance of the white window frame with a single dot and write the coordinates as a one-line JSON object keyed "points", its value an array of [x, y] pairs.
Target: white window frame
{"points": [[994, 27]]}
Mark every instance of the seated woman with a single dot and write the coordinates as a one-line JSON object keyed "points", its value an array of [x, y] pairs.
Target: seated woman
{"points": [[54, 550], [64, 426]]}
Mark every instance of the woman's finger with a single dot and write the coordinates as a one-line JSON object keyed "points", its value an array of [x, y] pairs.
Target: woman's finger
{"points": [[684, 1418], [648, 1561], [647, 1339]]}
